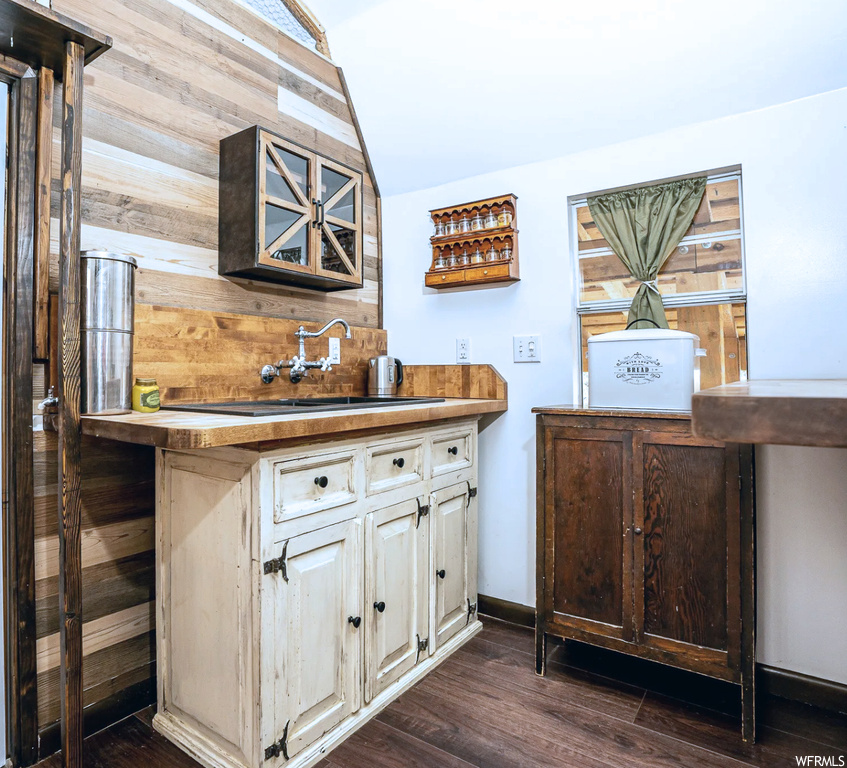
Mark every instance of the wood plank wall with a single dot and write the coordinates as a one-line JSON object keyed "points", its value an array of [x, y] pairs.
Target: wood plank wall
{"points": [[182, 75]]}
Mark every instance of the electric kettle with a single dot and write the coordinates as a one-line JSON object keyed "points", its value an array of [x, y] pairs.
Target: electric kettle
{"points": [[385, 374]]}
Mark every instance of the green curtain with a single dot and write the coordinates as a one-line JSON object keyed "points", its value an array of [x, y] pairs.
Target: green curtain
{"points": [[643, 226]]}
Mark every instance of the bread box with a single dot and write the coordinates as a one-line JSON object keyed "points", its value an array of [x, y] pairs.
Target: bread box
{"points": [[653, 370]]}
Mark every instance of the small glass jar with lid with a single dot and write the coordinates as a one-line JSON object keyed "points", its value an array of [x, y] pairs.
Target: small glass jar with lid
{"points": [[451, 227], [492, 254], [490, 221], [439, 227], [452, 258], [478, 256], [464, 259], [464, 224], [504, 217], [440, 261], [506, 253], [476, 220]]}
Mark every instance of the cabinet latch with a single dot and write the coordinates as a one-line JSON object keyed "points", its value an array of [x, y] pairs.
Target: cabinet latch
{"points": [[471, 491], [471, 611], [279, 747], [423, 511], [422, 646], [278, 563]]}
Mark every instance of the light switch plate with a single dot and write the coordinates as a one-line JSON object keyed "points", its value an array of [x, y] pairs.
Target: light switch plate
{"points": [[527, 349], [463, 351], [334, 350]]}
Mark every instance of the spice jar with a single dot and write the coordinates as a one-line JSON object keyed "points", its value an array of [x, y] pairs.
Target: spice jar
{"points": [[440, 261], [504, 218], [464, 259], [476, 223], [493, 254], [490, 220], [452, 259], [506, 253], [439, 228], [478, 257], [145, 396], [464, 224], [451, 227]]}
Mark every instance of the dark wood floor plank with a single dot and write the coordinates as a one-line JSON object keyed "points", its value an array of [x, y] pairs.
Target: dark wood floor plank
{"points": [[722, 734], [566, 685], [378, 745], [511, 635], [820, 725]]}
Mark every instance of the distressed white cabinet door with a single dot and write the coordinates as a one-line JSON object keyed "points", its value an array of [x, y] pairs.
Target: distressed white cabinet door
{"points": [[318, 651], [454, 573], [397, 582]]}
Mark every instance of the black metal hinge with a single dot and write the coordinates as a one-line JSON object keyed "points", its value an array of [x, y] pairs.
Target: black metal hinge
{"points": [[471, 611], [279, 747], [471, 491], [423, 511], [422, 646], [278, 563]]}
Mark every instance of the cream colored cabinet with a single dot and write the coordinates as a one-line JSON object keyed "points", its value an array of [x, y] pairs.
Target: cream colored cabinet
{"points": [[317, 604], [303, 589], [398, 585], [454, 523]]}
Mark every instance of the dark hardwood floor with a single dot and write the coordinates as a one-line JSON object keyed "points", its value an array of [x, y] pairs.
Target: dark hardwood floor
{"points": [[486, 708]]}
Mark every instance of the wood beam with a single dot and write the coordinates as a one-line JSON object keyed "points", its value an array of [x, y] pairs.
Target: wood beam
{"points": [[70, 553], [20, 529], [44, 153]]}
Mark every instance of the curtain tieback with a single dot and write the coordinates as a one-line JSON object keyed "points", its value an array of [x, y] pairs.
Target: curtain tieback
{"points": [[652, 285]]}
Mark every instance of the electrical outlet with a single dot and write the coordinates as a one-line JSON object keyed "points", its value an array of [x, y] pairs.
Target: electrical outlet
{"points": [[527, 349], [334, 350], [463, 351]]}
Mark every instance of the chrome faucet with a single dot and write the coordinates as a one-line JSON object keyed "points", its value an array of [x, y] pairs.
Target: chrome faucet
{"points": [[298, 364]]}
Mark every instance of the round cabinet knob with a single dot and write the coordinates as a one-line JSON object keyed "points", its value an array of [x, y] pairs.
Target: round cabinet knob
{"points": [[637, 531], [380, 606], [355, 621], [484, 271], [441, 574], [322, 481], [443, 277], [399, 462], [454, 450]]}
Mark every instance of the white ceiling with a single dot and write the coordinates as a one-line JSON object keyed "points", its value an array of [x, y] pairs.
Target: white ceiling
{"points": [[446, 89]]}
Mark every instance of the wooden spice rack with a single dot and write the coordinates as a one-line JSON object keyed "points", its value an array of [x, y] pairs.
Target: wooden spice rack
{"points": [[457, 244]]}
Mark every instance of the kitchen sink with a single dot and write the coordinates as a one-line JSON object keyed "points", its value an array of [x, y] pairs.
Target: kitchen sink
{"points": [[295, 405]]}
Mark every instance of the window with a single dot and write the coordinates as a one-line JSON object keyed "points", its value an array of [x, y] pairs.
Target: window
{"points": [[702, 282]]}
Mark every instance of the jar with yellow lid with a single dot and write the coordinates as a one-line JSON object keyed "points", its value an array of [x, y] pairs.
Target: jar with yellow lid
{"points": [[145, 396]]}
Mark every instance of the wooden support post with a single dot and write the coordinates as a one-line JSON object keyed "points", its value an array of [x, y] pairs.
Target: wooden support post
{"points": [[70, 551], [41, 329], [20, 526]]}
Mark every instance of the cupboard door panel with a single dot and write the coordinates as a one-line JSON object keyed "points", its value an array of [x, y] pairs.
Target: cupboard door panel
{"points": [[685, 543], [318, 651], [339, 244], [397, 598], [452, 588], [591, 510]]}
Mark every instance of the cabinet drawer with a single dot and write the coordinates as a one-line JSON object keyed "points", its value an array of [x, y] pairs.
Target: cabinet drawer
{"points": [[451, 452], [445, 278], [487, 273], [307, 485], [393, 466]]}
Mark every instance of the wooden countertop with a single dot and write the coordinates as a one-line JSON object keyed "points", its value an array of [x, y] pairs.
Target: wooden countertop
{"points": [[778, 411], [575, 410], [175, 429]]}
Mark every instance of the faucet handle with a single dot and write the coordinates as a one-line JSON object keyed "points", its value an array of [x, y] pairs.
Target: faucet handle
{"points": [[268, 373], [325, 366]]}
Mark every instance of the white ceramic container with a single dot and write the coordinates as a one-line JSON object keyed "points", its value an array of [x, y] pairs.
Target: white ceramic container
{"points": [[643, 370]]}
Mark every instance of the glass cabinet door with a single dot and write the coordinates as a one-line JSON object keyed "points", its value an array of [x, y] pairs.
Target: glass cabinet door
{"points": [[285, 208], [340, 222]]}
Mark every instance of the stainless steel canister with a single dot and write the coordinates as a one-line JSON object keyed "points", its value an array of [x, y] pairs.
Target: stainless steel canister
{"points": [[108, 309]]}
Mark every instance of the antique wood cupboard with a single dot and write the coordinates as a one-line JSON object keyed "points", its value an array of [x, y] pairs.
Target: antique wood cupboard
{"points": [[646, 543], [304, 588], [288, 214]]}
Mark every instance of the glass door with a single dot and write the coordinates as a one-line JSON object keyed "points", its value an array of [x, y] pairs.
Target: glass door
{"points": [[339, 222], [285, 207]]}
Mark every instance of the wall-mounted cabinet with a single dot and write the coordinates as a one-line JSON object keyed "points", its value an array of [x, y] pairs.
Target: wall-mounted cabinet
{"points": [[474, 243], [288, 214]]}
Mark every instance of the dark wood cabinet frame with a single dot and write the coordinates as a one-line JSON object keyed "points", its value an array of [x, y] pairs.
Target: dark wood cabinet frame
{"points": [[38, 46]]}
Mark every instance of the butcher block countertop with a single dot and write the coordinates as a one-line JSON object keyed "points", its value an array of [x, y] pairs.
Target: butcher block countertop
{"points": [[182, 430], [778, 411]]}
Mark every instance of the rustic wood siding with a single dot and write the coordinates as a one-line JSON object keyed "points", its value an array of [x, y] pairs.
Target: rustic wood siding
{"points": [[182, 75]]}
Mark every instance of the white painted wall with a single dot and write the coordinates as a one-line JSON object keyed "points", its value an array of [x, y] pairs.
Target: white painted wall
{"points": [[794, 162], [4, 104]]}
